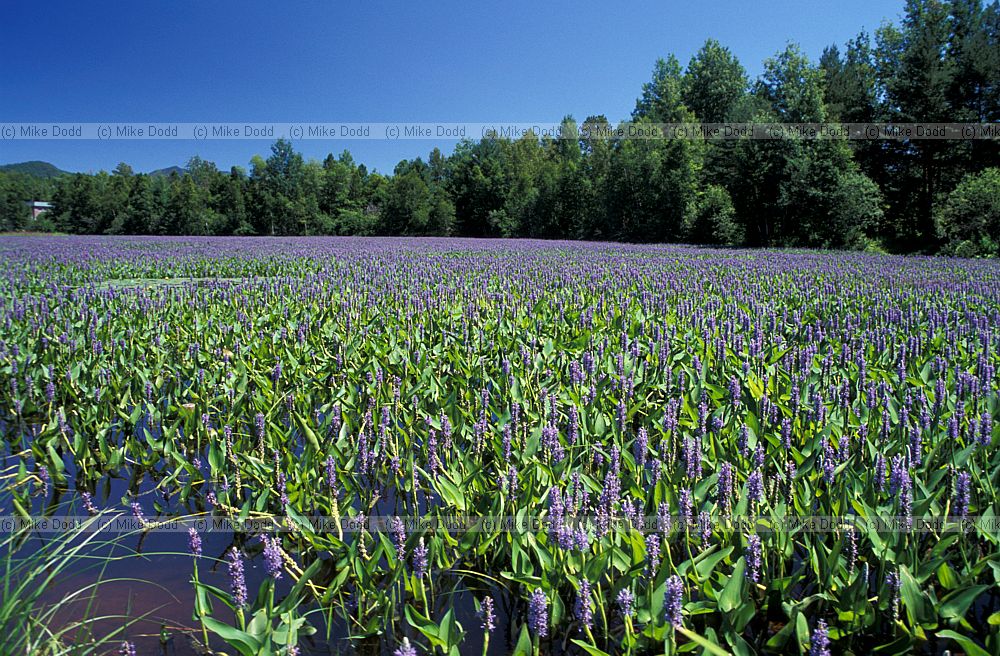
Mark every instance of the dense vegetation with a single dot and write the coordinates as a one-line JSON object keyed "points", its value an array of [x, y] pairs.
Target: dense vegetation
{"points": [[589, 386], [941, 63]]}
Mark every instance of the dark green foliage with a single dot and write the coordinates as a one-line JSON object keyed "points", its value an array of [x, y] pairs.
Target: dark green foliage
{"points": [[15, 190], [969, 221], [714, 84], [712, 219], [661, 99]]}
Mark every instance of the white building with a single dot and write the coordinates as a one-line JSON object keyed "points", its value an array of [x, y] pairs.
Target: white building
{"points": [[38, 206]]}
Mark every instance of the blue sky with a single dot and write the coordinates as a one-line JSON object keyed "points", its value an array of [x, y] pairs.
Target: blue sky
{"points": [[352, 61]]}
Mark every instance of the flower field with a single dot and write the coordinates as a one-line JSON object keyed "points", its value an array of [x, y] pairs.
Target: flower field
{"points": [[450, 446]]}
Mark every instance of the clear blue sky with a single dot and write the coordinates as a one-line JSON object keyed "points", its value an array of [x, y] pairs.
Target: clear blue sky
{"points": [[352, 61]]}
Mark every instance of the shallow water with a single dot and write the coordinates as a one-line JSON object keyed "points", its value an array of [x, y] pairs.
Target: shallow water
{"points": [[146, 591]]}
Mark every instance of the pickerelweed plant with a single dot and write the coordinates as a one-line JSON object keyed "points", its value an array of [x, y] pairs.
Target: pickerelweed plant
{"points": [[631, 428]]}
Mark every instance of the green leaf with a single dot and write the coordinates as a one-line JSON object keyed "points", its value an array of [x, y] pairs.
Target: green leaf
{"points": [[216, 458], [260, 623], [448, 631], [968, 644], [706, 562], [916, 601], [294, 596], [802, 631], [450, 492], [57, 463], [946, 576], [523, 646], [710, 647], [424, 625], [956, 604], [590, 649], [307, 431], [732, 595], [656, 603], [244, 642]]}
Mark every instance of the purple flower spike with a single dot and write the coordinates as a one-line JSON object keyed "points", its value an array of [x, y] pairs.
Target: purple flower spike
{"points": [[420, 558], [398, 535], [674, 600], [582, 609], [962, 495], [652, 553], [88, 503], [137, 513], [331, 473], [487, 615], [755, 486], [194, 543], [43, 475], [641, 448], [237, 580], [754, 558], [538, 613], [895, 584], [272, 556], [819, 642], [626, 601], [405, 649]]}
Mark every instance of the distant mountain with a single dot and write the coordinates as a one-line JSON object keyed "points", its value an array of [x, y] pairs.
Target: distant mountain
{"points": [[36, 169], [46, 170], [167, 171]]}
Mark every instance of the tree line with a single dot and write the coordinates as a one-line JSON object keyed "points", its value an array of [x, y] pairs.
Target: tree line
{"points": [[941, 63]]}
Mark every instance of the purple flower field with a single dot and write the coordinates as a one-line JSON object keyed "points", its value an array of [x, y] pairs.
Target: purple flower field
{"points": [[378, 446]]}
